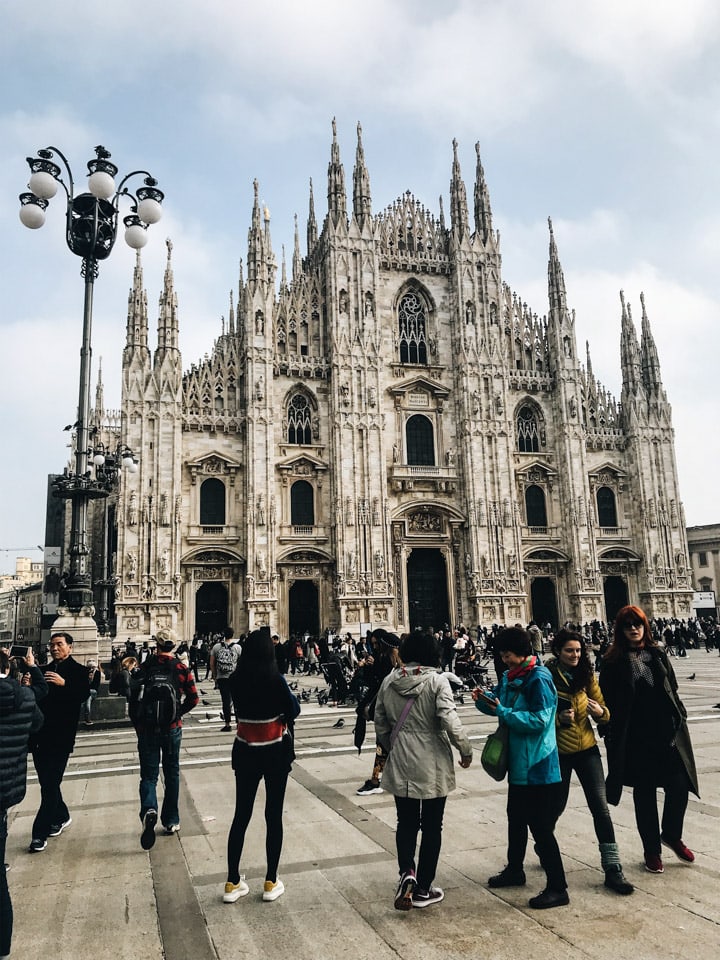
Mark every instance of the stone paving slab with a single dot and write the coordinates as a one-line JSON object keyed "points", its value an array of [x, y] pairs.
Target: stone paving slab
{"points": [[95, 891]]}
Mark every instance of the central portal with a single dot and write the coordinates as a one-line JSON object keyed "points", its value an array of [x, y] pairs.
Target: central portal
{"points": [[303, 609], [427, 589], [211, 608]]}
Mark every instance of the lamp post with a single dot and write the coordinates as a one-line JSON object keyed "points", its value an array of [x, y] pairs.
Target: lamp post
{"points": [[91, 229]]}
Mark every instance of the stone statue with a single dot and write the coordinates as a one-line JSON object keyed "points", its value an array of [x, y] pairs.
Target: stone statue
{"points": [[132, 510]]}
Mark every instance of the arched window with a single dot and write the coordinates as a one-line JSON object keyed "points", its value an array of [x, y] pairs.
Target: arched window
{"points": [[607, 510], [535, 509], [212, 503], [419, 438], [528, 436], [299, 429], [412, 329], [302, 510]]}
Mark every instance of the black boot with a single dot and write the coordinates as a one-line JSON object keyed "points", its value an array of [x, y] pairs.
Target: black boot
{"points": [[549, 899], [610, 862], [508, 877], [615, 880]]}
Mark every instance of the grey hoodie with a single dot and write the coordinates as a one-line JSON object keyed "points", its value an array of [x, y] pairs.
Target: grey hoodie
{"points": [[420, 763]]}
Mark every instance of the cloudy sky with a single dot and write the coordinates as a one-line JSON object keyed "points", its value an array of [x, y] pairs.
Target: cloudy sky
{"points": [[602, 115]]}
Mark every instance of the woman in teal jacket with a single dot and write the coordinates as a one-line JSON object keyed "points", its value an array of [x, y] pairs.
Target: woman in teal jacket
{"points": [[525, 701]]}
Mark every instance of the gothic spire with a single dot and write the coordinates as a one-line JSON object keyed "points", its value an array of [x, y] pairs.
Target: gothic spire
{"points": [[168, 318], [268, 240], [312, 233], [557, 295], [361, 184], [589, 361], [650, 361], [256, 241], [629, 350], [231, 317], [458, 198], [483, 213], [297, 259], [283, 272], [99, 411], [137, 316], [337, 201]]}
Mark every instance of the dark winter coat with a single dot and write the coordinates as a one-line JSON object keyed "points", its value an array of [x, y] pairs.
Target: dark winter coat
{"points": [[670, 722], [19, 717], [61, 707]]}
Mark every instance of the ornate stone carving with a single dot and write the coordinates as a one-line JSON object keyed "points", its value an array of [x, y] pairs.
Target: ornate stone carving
{"points": [[423, 521]]}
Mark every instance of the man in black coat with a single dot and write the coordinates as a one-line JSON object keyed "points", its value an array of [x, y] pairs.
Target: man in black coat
{"points": [[19, 717], [68, 688]]}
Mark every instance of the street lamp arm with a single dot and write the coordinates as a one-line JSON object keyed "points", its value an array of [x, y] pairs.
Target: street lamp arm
{"points": [[43, 162]]}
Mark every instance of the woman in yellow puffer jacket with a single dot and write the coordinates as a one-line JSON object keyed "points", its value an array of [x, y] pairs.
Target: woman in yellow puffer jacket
{"points": [[579, 698]]}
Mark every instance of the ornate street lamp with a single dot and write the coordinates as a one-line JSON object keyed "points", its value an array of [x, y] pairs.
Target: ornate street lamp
{"points": [[91, 229]]}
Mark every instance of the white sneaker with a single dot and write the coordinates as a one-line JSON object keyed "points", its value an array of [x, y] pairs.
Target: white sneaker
{"points": [[233, 891], [272, 891]]}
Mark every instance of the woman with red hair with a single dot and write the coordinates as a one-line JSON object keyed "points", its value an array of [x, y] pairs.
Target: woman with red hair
{"points": [[647, 738]]}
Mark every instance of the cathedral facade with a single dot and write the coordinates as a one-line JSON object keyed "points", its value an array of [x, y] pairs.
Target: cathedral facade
{"points": [[390, 437]]}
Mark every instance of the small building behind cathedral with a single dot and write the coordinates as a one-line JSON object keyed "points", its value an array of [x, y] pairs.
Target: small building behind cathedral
{"points": [[388, 435]]}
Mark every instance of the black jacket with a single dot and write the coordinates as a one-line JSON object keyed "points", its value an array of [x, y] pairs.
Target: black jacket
{"points": [[61, 707], [19, 717]]}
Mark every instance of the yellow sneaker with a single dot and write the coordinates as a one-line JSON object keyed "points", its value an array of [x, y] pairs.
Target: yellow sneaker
{"points": [[271, 891]]}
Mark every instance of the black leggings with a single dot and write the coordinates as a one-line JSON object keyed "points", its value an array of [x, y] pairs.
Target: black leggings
{"points": [[247, 780], [414, 816]]}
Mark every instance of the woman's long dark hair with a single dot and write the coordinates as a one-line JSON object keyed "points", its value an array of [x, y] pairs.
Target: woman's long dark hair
{"points": [[584, 671], [257, 661], [620, 644]]}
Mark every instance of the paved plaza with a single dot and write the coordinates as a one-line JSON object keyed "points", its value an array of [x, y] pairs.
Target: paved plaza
{"points": [[94, 892]]}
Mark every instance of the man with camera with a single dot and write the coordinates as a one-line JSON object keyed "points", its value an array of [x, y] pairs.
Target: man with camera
{"points": [[68, 688]]}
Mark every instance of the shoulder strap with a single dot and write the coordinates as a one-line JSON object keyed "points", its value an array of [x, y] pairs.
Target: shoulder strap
{"points": [[401, 720]]}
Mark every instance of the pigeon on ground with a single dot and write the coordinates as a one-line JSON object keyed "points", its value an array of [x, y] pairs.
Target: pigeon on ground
{"points": [[206, 703], [340, 722], [691, 677]]}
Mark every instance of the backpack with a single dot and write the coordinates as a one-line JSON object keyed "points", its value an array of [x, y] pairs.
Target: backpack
{"points": [[157, 697], [224, 659]]}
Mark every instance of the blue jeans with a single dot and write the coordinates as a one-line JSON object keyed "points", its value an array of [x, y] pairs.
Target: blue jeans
{"points": [[87, 706], [151, 748]]}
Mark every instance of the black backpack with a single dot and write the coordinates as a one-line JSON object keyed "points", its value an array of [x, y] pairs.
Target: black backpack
{"points": [[157, 695]]}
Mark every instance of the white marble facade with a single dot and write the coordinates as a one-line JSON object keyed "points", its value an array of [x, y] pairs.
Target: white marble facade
{"points": [[391, 436]]}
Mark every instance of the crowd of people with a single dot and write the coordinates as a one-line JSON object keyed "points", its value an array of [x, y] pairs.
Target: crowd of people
{"points": [[553, 709]]}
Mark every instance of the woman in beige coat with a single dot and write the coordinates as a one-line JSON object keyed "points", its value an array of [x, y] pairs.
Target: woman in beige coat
{"points": [[416, 722]]}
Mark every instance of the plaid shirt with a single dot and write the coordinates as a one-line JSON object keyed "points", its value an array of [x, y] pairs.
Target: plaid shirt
{"points": [[188, 690]]}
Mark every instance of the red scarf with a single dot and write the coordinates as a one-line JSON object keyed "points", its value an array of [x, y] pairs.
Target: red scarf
{"points": [[524, 669]]}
